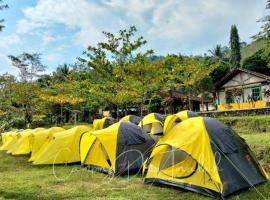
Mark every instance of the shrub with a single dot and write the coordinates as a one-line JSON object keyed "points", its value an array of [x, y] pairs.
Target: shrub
{"points": [[248, 124], [18, 123]]}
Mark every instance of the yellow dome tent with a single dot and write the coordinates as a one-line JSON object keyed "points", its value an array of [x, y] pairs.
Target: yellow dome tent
{"points": [[105, 122], [41, 139], [8, 140], [152, 124], [14, 137], [172, 120], [62, 148], [118, 149], [7, 136], [205, 156], [24, 143], [131, 118]]}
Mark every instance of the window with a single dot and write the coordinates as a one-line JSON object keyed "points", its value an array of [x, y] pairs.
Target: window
{"points": [[229, 96], [256, 93]]}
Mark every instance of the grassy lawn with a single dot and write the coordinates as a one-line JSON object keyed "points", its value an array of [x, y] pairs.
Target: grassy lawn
{"points": [[21, 180]]}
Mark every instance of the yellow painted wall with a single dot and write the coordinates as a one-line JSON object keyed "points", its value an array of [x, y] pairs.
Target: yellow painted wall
{"points": [[245, 105]]}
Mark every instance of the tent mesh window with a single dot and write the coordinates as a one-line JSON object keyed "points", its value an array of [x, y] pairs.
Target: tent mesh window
{"points": [[177, 163]]}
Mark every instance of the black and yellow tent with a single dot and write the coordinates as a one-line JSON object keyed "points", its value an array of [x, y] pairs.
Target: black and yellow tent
{"points": [[105, 122], [204, 156], [118, 149], [131, 118], [153, 124], [62, 148], [172, 120]]}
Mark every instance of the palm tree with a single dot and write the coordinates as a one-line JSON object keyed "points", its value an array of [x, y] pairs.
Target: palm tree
{"points": [[61, 72], [217, 51]]}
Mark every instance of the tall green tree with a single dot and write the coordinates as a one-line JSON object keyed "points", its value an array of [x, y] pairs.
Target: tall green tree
{"points": [[186, 72], [257, 63], [265, 28], [108, 59], [143, 78], [235, 57], [61, 73], [29, 65], [265, 34]]}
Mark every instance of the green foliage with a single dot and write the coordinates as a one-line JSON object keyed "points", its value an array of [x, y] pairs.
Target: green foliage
{"points": [[2, 7], [18, 123], [252, 48], [40, 121], [109, 61], [235, 56], [264, 34], [257, 63], [154, 104], [28, 64], [248, 124]]}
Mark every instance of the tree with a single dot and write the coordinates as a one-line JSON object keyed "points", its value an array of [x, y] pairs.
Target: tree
{"points": [[2, 7], [108, 60], [6, 113], [265, 28], [61, 73], [65, 93], [235, 56], [257, 63], [219, 54], [25, 99], [217, 51], [205, 87], [185, 72], [143, 78], [264, 34], [29, 65]]}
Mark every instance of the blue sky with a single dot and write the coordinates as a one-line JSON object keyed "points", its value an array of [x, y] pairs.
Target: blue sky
{"points": [[62, 29]]}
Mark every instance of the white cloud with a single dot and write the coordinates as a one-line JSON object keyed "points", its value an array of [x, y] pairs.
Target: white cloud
{"points": [[10, 40], [52, 57], [5, 66], [169, 26], [47, 38]]}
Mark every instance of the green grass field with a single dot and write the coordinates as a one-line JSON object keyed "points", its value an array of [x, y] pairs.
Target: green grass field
{"points": [[20, 180]]}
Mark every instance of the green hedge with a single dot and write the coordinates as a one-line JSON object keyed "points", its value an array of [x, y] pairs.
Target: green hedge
{"points": [[248, 124]]}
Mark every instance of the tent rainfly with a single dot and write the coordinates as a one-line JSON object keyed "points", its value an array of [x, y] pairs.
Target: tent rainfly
{"points": [[24, 143], [172, 120], [153, 124], [62, 148], [204, 156], [41, 140], [131, 118], [9, 139], [105, 122], [119, 149]]}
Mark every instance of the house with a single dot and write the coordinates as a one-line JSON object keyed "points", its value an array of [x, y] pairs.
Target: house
{"points": [[177, 100], [243, 89]]}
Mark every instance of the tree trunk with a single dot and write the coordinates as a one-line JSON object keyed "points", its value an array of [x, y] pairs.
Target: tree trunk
{"points": [[202, 101], [117, 112], [189, 102], [141, 114], [61, 115]]}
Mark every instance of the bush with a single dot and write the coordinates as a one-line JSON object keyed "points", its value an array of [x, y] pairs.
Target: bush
{"points": [[18, 123], [248, 124], [40, 121]]}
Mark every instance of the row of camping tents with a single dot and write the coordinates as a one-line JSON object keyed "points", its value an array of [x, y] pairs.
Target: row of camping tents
{"points": [[182, 150]]}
